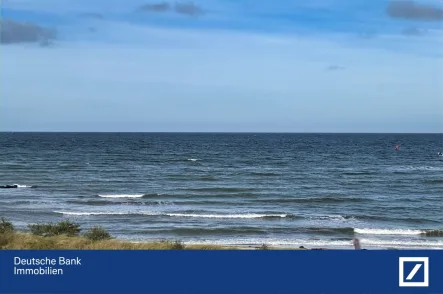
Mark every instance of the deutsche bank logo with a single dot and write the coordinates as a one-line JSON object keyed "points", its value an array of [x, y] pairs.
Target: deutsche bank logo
{"points": [[414, 272]]}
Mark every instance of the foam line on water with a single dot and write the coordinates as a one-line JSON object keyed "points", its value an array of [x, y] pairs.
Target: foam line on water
{"points": [[121, 195], [345, 244], [388, 231], [22, 186], [106, 213], [428, 233], [190, 215], [249, 215]]}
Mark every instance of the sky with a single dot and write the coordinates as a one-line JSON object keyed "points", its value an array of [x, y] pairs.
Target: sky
{"points": [[221, 66]]}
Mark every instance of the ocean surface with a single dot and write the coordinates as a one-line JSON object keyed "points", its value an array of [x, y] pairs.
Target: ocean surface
{"points": [[289, 190]]}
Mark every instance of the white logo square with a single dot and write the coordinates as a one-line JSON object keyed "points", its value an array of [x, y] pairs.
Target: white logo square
{"points": [[404, 281]]}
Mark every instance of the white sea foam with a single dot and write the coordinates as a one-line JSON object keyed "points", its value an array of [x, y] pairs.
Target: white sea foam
{"points": [[343, 244], [415, 168], [22, 186], [121, 195], [388, 232], [248, 215], [275, 242], [92, 213], [330, 217], [192, 159], [150, 213], [402, 243]]}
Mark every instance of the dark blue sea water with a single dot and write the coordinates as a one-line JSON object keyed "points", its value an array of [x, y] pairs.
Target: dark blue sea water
{"points": [[315, 190]]}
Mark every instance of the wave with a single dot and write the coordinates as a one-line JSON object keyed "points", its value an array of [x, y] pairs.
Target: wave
{"points": [[117, 196], [91, 213], [427, 233], [188, 178], [246, 216], [433, 181], [342, 243], [32, 203], [331, 231], [221, 189], [106, 202], [193, 159], [23, 186], [16, 186], [315, 200], [359, 173], [405, 169], [20, 202], [274, 242], [270, 215], [332, 217], [265, 174], [371, 218], [387, 231], [208, 179], [402, 244], [133, 202], [93, 202], [14, 164], [395, 219], [191, 215], [121, 195], [254, 230], [196, 231]]}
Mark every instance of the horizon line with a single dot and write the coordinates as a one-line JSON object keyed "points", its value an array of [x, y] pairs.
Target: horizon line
{"points": [[218, 132]]}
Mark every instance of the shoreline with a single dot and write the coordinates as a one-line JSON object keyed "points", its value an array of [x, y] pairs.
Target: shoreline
{"points": [[67, 235], [29, 241]]}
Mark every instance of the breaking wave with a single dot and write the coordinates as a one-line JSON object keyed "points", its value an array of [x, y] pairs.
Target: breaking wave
{"points": [[427, 233], [23, 186], [121, 195], [343, 244], [248, 215], [190, 215]]}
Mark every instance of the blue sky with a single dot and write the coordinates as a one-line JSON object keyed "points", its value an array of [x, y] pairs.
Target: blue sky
{"points": [[222, 65]]}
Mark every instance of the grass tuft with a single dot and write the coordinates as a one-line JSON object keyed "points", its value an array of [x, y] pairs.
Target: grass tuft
{"points": [[65, 227], [97, 234], [5, 226]]}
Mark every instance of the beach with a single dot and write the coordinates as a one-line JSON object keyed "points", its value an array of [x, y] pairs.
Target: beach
{"points": [[230, 190]]}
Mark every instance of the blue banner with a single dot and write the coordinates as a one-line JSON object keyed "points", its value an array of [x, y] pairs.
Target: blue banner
{"points": [[243, 271]]}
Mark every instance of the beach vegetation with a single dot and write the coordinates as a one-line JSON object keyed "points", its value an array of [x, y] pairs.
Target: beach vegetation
{"points": [[5, 226], [97, 234], [65, 227], [20, 240], [66, 235]]}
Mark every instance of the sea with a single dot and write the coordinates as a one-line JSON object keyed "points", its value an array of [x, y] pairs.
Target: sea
{"points": [[240, 189]]}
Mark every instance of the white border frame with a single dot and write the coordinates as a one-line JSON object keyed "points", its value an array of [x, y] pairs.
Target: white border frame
{"points": [[403, 283]]}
